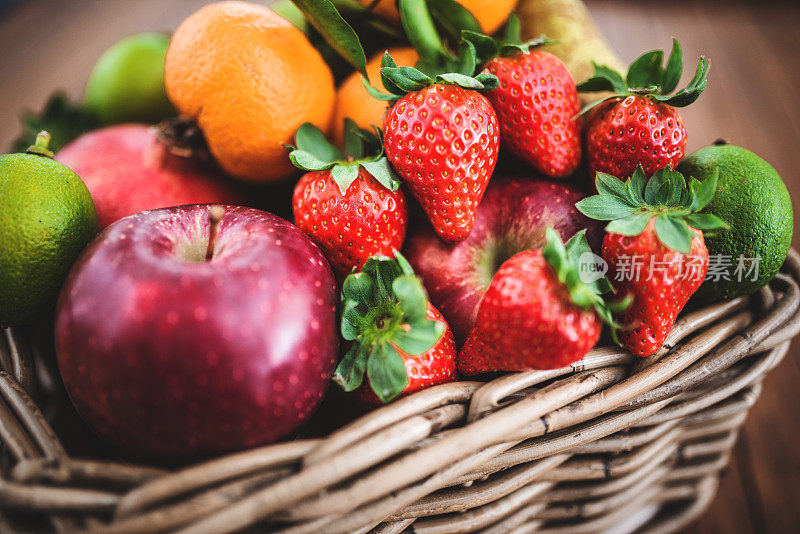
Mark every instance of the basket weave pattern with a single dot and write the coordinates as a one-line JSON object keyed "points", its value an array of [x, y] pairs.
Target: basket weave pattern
{"points": [[578, 449]]}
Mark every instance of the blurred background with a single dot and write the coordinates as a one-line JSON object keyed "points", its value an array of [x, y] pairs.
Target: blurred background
{"points": [[751, 101]]}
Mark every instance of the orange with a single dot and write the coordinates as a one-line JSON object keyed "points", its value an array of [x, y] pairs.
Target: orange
{"points": [[490, 14], [249, 79], [353, 100]]}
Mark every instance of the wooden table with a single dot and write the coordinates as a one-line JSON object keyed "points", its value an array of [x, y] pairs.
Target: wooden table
{"points": [[752, 100]]}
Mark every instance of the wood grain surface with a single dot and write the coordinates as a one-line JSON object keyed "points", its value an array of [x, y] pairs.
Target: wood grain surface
{"points": [[752, 100]]}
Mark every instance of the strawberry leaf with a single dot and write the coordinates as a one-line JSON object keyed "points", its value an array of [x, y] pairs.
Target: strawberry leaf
{"points": [[344, 176], [407, 79], [358, 287], [386, 372], [674, 233], [604, 79], [411, 295], [705, 221], [609, 185], [672, 74], [704, 191], [383, 172], [630, 225], [352, 317], [309, 162], [325, 18], [350, 372], [419, 339], [635, 187], [646, 71], [452, 18], [310, 139], [605, 207]]}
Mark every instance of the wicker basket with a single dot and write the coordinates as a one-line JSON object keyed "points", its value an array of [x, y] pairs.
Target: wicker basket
{"points": [[611, 440]]}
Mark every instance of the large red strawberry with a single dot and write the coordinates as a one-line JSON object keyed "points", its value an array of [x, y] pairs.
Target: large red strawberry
{"points": [[640, 124], [654, 248], [536, 101], [398, 338], [537, 313], [350, 205], [442, 137]]}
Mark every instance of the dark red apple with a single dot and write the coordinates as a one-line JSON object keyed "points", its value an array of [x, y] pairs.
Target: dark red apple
{"points": [[512, 217], [127, 170], [169, 355]]}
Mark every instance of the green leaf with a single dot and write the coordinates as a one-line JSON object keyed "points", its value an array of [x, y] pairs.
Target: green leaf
{"points": [[605, 207], [467, 82], [309, 138], [322, 14], [705, 221], [604, 79], [663, 193], [674, 70], [289, 11], [609, 185], [485, 47], [374, 93], [466, 61], [386, 372], [652, 188], [630, 225], [407, 79], [344, 175], [635, 186], [646, 70], [353, 141], [513, 30], [452, 18], [352, 320], [488, 80], [350, 371], [358, 287], [411, 296], [309, 162], [421, 338], [704, 191], [420, 29], [577, 245], [383, 172], [677, 185], [674, 233], [402, 263], [692, 91]]}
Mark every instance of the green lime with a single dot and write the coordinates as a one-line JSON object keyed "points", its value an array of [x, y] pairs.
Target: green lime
{"points": [[46, 219], [127, 83], [753, 200]]}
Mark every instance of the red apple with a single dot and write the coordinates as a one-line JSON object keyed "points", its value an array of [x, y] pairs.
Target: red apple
{"points": [[128, 170], [512, 217], [169, 355]]}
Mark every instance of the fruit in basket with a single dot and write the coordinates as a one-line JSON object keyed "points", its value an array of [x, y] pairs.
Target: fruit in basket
{"points": [[249, 78], [350, 205], [754, 201], [442, 137], [398, 338], [127, 82], [127, 169], [639, 124], [195, 330], [512, 217], [490, 14], [536, 102], [538, 312], [46, 219], [654, 248], [353, 100]]}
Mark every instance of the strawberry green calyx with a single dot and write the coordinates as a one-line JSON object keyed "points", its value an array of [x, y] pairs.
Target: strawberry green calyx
{"points": [[312, 152], [400, 81], [666, 196], [384, 310], [647, 77], [566, 260], [487, 47]]}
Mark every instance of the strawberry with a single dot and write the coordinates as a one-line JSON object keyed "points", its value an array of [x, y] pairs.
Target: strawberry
{"points": [[639, 124], [349, 205], [443, 138], [654, 248], [536, 102], [400, 340], [537, 313]]}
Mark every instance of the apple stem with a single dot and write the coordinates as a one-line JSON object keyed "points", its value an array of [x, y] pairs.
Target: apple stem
{"points": [[215, 214]]}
